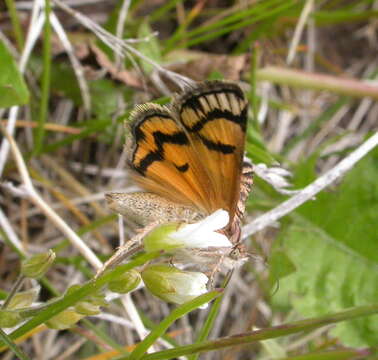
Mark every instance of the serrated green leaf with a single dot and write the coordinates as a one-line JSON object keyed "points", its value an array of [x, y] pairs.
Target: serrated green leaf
{"points": [[350, 213], [13, 90], [334, 246]]}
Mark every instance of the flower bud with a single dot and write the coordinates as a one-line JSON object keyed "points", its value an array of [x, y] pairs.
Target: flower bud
{"points": [[173, 285], [91, 304], [199, 235], [9, 318], [37, 265], [126, 282], [24, 299], [64, 320], [87, 308]]}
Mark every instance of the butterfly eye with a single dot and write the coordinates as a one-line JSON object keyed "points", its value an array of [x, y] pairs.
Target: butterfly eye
{"points": [[235, 253]]}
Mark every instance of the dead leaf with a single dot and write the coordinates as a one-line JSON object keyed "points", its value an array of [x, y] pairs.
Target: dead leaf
{"points": [[122, 75]]}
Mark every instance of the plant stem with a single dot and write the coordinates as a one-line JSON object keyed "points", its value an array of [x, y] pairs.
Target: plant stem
{"points": [[314, 81], [45, 86], [16, 24], [16, 350], [13, 291]]}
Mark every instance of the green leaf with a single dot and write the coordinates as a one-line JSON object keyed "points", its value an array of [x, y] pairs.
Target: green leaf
{"points": [[350, 213], [262, 334], [334, 245], [103, 92], [13, 90], [177, 313], [280, 266], [150, 48]]}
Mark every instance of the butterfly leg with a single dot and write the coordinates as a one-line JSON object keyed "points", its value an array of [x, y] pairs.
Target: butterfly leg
{"points": [[216, 269], [129, 248]]}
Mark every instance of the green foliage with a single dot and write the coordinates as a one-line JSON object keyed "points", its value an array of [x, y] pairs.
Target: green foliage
{"points": [[63, 81], [9, 318], [125, 282], [150, 48], [280, 266], [262, 12], [103, 92], [13, 90], [349, 213], [37, 265], [333, 243], [64, 320], [177, 313], [24, 298], [73, 297]]}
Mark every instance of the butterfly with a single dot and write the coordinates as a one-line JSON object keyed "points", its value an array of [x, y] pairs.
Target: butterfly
{"points": [[189, 158]]}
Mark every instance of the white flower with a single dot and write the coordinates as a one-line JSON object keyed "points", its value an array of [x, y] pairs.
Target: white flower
{"points": [[199, 235], [174, 285]]}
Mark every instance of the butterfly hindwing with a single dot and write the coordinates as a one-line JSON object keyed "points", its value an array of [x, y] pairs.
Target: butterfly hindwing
{"points": [[214, 114]]}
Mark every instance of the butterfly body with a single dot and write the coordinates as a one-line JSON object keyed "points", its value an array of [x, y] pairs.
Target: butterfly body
{"points": [[189, 155], [145, 208]]}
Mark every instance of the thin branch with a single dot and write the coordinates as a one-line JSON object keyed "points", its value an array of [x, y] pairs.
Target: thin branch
{"points": [[299, 30], [311, 190], [120, 46], [10, 233], [317, 81], [120, 27], [76, 65], [133, 314]]}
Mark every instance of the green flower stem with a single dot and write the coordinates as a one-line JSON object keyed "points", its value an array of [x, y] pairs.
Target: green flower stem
{"points": [[13, 291], [87, 289], [211, 317], [177, 313], [263, 334], [45, 86], [11, 345], [333, 355], [16, 24], [350, 87]]}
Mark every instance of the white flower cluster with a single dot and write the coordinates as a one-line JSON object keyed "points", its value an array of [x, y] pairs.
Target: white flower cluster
{"points": [[172, 284]]}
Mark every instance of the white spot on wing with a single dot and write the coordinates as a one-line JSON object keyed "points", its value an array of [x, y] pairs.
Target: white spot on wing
{"points": [[223, 101], [204, 104]]}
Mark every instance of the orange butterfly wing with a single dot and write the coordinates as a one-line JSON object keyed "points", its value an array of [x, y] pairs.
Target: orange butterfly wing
{"points": [[214, 114], [163, 160], [193, 153]]}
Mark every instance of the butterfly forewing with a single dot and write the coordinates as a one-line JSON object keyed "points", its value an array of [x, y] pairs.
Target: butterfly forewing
{"points": [[163, 159]]}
